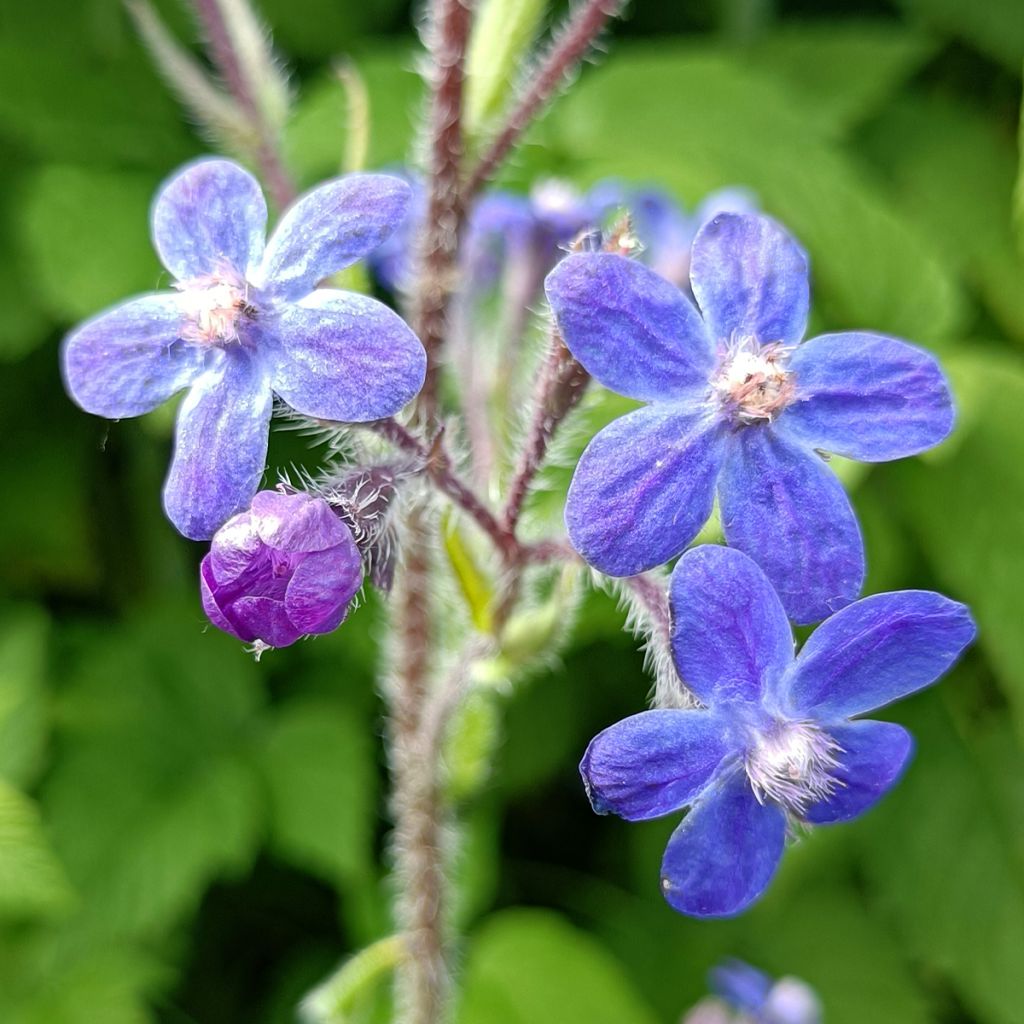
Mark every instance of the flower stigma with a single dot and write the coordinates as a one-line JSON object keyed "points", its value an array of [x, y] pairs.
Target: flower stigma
{"points": [[793, 764], [753, 383], [214, 305]]}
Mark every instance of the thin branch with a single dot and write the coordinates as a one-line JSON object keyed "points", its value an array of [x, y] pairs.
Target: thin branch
{"points": [[221, 50], [447, 39], [570, 47], [560, 386]]}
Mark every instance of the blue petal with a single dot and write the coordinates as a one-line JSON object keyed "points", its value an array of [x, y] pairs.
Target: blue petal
{"points": [[643, 488], [730, 635], [867, 397], [343, 356], [631, 329], [724, 854], [653, 763], [873, 757], [220, 448], [211, 213], [750, 280], [129, 360], [330, 228], [786, 509], [876, 651]]}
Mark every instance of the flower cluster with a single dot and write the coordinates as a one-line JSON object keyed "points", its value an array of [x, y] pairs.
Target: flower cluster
{"points": [[745, 995]]}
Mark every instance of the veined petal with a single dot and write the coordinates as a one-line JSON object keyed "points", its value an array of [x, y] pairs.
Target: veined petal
{"points": [[265, 619], [214, 612], [324, 583], [868, 397], [786, 509], [871, 760], [643, 488], [296, 522], [877, 650], [653, 763], [724, 854], [750, 280], [329, 228], [129, 360], [730, 635], [632, 330], [210, 213], [220, 448], [343, 356]]}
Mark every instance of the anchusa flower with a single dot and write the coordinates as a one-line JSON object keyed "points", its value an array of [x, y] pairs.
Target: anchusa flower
{"points": [[777, 742], [246, 322], [745, 995], [286, 568], [735, 403]]}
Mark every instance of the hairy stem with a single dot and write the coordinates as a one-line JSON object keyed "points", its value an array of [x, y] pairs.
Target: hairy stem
{"points": [[571, 45], [560, 386], [447, 37], [423, 979], [222, 54]]}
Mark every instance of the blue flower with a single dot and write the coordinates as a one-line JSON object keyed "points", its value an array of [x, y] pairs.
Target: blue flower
{"points": [[736, 405], [763, 1000], [247, 322], [777, 740]]}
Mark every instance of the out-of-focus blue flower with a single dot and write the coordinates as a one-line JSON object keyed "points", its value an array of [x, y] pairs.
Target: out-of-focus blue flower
{"points": [[756, 999], [735, 404], [286, 568], [247, 322], [664, 229], [777, 740]]}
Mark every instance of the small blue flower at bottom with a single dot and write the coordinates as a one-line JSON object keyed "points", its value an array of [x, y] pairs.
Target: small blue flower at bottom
{"points": [[776, 743]]}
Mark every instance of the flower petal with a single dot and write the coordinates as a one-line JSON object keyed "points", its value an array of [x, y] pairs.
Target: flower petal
{"points": [[750, 280], [873, 757], [868, 397], [347, 357], [724, 854], [786, 509], [324, 583], [297, 522], [233, 549], [643, 488], [207, 586], [653, 763], [210, 213], [876, 651], [632, 330], [220, 446], [329, 228], [265, 619], [730, 634], [130, 359]]}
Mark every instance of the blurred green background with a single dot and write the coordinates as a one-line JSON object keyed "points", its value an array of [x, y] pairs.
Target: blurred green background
{"points": [[188, 836]]}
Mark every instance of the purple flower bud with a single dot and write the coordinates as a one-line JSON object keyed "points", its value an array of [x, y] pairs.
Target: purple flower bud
{"points": [[286, 568]]}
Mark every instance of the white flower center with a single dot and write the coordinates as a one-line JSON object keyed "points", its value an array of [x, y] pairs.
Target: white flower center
{"points": [[793, 764], [753, 383], [214, 305]]}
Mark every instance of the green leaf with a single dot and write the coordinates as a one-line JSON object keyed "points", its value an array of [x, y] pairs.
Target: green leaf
{"points": [[84, 234], [24, 638], [965, 504], [32, 882], [319, 764], [929, 147], [948, 860], [153, 795], [829, 60], [871, 267], [994, 27], [526, 966]]}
